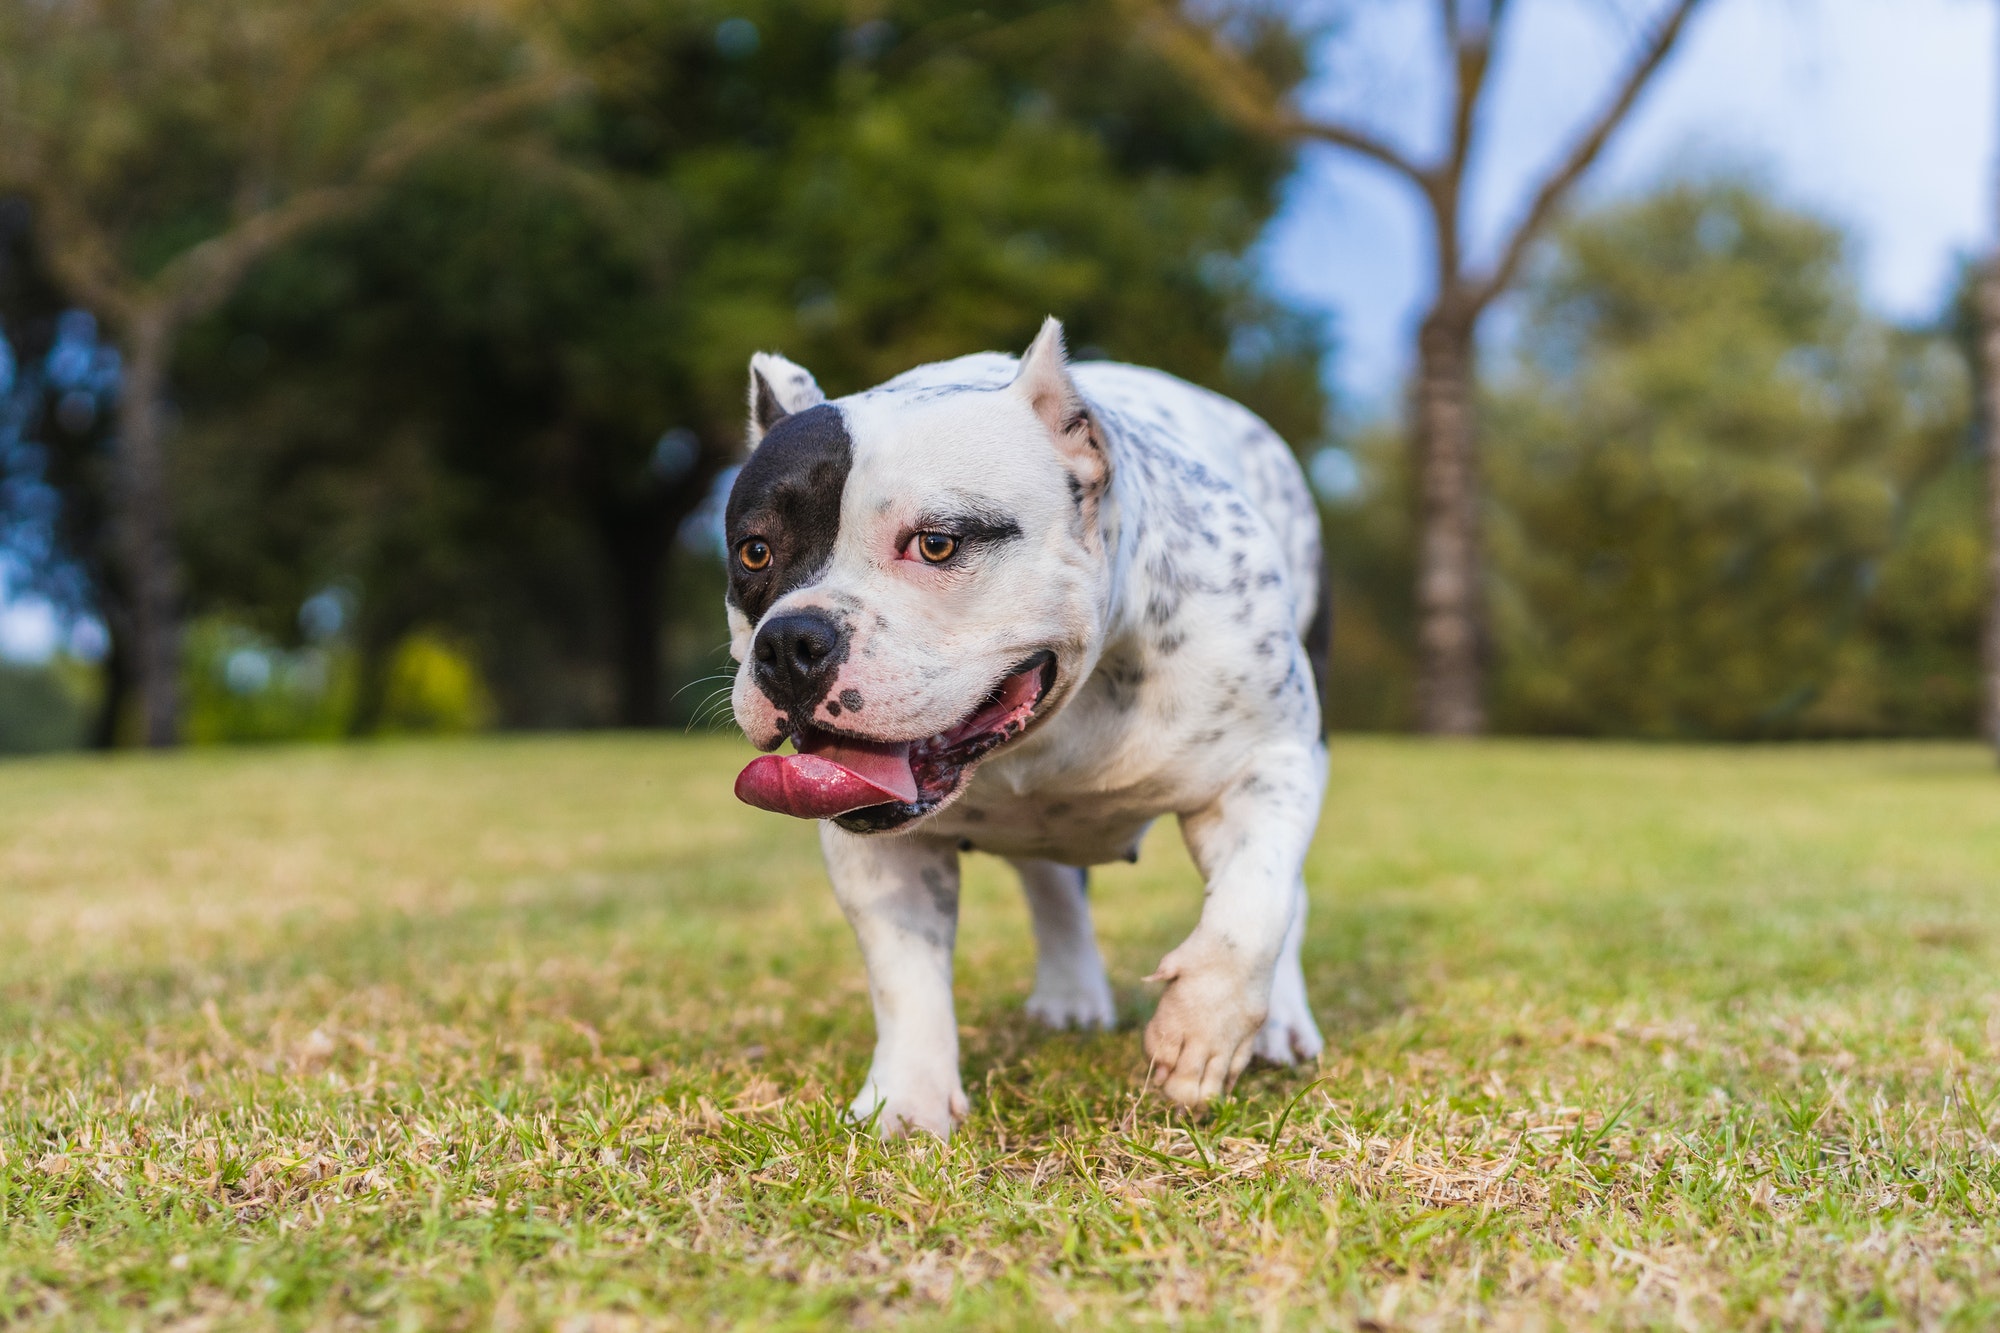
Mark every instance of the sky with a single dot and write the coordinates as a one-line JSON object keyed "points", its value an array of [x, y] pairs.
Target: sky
{"points": [[1877, 114]]}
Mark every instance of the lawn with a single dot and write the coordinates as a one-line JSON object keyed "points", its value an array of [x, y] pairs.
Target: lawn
{"points": [[525, 1033]]}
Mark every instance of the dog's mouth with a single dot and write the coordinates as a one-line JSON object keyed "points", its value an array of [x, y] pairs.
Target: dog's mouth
{"points": [[870, 786]]}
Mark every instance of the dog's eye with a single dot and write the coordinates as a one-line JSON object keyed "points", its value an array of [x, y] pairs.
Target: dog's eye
{"points": [[936, 547], [754, 555]]}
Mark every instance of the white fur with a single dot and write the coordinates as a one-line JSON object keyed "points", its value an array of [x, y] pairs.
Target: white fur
{"points": [[1169, 557]]}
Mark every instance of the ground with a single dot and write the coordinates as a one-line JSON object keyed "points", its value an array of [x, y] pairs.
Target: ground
{"points": [[532, 1033]]}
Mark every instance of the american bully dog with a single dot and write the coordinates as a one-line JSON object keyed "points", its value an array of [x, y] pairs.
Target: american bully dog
{"points": [[1027, 608]]}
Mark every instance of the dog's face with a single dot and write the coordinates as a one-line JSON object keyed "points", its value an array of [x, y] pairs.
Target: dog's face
{"points": [[915, 580]]}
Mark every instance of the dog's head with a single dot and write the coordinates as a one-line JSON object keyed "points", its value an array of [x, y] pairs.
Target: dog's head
{"points": [[916, 578]]}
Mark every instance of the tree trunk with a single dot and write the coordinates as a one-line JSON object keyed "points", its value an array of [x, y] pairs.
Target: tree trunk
{"points": [[1989, 355], [1450, 688], [117, 679], [637, 544], [144, 518]]}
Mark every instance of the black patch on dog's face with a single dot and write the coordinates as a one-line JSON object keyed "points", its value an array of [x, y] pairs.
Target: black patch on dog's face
{"points": [[788, 497]]}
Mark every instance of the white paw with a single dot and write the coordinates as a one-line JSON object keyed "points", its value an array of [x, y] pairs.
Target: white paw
{"points": [[1289, 1035], [935, 1109], [1081, 1003]]}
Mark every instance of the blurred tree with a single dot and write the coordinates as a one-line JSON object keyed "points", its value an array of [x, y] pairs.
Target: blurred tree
{"points": [[1986, 361], [1716, 501], [1449, 569], [490, 404], [58, 384], [1371, 560], [169, 148]]}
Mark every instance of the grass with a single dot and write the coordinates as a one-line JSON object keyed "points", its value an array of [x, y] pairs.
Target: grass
{"points": [[539, 1033]]}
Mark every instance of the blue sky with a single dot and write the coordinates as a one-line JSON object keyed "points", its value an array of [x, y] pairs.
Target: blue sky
{"points": [[1878, 114]]}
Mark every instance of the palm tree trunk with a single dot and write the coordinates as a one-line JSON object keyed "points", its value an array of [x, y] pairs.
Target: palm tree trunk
{"points": [[1450, 686], [144, 518]]}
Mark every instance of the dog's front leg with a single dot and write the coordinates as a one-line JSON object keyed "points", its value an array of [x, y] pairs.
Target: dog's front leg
{"points": [[901, 896], [1249, 844]]}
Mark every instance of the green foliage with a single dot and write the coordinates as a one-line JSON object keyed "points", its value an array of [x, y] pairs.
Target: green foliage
{"points": [[240, 686], [433, 688], [158, 127], [1709, 473], [457, 404], [1699, 473], [45, 706], [1370, 545], [243, 687], [1723, 500]]}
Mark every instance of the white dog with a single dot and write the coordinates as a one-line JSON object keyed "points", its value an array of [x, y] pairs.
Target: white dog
{"points": [[1028, 608]]}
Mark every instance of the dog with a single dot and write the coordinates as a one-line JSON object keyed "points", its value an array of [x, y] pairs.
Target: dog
{"points": [[1027, 608]]}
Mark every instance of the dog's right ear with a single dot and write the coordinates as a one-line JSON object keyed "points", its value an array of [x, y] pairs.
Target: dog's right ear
{"points": [[778, 388]]}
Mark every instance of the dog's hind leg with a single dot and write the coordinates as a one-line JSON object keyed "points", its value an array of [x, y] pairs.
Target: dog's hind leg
{"points": [[1070, 987], [1289, 1033]]}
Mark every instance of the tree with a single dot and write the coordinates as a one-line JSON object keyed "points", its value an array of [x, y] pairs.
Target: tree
{"points": [[1704, 472], [168, 149], [1450, 570], [488, 403], [1988, 361]]}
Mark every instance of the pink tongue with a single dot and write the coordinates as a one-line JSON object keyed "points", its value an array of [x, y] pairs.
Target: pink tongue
{"points": [[835, 777]]}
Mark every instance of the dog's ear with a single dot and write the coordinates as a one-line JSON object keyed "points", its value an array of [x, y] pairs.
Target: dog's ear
{"points": [[1044, 380], [778, 388]]}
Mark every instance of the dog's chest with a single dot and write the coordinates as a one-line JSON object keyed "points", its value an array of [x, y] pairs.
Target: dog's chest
{"points": [[1072, 828]]}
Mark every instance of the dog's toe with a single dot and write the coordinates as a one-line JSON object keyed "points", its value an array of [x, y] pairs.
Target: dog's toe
{"points": [[934, 1110]]}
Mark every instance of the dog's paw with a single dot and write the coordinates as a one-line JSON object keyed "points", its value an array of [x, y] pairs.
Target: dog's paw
{"points": [[1289, 1035], [1084, 1003], [1201, 1035], [932, 1110]]}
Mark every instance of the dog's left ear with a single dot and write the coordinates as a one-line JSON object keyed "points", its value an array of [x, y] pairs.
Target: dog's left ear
{"points": [[1044, 381], [778, 388]]}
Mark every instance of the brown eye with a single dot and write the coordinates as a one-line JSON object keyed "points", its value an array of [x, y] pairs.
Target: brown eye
{"points": [[936, 547], [754, 554]]}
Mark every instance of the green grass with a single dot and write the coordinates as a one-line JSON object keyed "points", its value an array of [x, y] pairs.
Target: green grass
{"points": [[552, 1033]]}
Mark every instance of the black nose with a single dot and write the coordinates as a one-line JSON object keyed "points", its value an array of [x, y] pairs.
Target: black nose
{"points": [[797, 654]]}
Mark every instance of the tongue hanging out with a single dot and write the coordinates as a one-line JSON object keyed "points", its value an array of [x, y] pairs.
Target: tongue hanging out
{"points": [[831, 777]]}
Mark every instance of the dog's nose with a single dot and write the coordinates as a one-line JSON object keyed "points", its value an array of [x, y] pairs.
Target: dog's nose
{"points": [[796, 657]]}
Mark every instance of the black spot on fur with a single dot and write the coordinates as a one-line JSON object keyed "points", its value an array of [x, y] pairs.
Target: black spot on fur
{"points": [[943, 891], [1120, 678], [788, 495], [850, 700]]}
